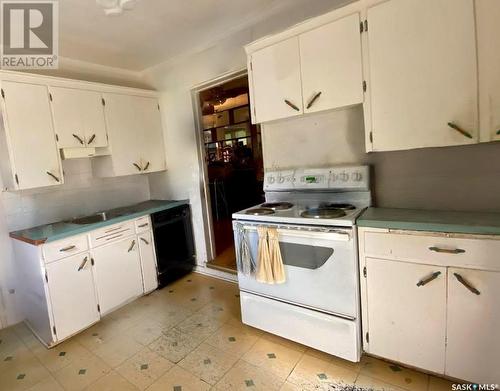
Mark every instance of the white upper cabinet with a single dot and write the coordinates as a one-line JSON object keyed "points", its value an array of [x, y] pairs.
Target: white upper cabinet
{"points": [[277, 91], [473, 325], [422, 74], [78, 118], [330, 59], [29, 151], [488, 35], [135, 136]]}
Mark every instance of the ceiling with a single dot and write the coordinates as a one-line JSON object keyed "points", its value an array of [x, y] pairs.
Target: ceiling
{"points": [[157, 30]]}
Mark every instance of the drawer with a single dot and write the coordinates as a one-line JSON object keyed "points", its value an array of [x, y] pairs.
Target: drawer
{"points": [[111, 233], [143, 224], [435, 249], [64, 248]]}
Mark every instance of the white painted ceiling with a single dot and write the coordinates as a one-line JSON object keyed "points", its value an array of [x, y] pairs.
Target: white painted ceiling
{"points": [[157, 30]]}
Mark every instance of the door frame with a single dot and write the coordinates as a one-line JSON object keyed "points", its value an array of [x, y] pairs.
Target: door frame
{"points": [[206, 205]]}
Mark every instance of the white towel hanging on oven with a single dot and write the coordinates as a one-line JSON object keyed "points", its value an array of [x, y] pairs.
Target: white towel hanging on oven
{"points": [[275, 254], [264, 267]]}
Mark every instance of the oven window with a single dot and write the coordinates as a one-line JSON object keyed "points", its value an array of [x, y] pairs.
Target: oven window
{"points": [[307, 257]]}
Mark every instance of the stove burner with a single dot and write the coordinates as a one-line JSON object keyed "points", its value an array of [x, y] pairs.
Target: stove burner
{"points": [[277, 205], [338, 206], [259, 211], [323, 213]]}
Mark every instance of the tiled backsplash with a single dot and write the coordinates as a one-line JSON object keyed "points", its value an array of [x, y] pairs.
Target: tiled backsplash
{"points": [[81, 194]]}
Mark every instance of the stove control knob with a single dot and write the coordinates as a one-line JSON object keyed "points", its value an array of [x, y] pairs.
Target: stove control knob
{"points": [[357, 176], [270, 179], [344, 177], [281, 179]]}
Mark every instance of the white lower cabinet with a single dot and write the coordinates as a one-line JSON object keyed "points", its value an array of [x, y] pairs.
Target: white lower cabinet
{"points": [[430, 300], [407, 312], [473, 325], [148, 262], [70, 284], [118, 274]]}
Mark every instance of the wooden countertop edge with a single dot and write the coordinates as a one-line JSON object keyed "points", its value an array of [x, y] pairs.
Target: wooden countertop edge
{"points": [[26, 240]]}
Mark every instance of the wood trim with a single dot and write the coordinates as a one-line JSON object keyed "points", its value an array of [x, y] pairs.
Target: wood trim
{"points": [[24, 239]]}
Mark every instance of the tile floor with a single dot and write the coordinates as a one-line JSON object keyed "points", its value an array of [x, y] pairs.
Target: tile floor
{"points": [[187, 336]]}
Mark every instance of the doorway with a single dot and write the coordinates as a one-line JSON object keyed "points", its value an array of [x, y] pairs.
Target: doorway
{"points": [[232, 156]]}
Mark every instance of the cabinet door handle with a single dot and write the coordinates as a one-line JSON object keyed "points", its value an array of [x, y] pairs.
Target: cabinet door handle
{"points": [[498, 132], [137, 166], [69, 248], [446, 250], [78, 138], [53, 176], [426, 280], [132, 245], [291, 105], [146, 166], [465, 283], [82, 265], [459, 130], [145, 241], [143, 225], [91, 139], [314, 98]]}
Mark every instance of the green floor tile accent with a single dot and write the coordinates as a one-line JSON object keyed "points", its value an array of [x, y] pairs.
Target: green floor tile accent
{"points": [[21, 376], [144, 366], [231, 339], [177, 388], [62, 354], [8, 358], [322, 376], [249, 383], [207, 361], [82, 371], [271, 355]]}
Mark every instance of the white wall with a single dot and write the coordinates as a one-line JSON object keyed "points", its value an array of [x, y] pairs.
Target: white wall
{"points": [[176, 78], [81, 194]]}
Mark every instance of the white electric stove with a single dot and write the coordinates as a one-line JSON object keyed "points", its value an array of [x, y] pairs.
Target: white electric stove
{"points": [[315, 211]]}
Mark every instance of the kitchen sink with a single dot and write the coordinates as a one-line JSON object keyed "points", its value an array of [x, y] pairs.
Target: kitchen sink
{"points": [[92, 219]]}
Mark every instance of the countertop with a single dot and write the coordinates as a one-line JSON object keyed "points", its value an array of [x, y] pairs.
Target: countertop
{"points": [[60, 230], [431, 220]]}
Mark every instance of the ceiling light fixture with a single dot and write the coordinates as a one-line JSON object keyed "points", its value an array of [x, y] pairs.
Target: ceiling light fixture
{"points": [[116, 7]]}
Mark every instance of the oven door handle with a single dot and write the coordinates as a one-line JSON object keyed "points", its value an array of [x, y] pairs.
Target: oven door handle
{"points": [[313, 234]]}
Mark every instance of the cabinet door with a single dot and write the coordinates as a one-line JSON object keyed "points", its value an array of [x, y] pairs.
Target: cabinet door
{"points": [[473, 340], [124, 133], [152, 151], [78, 118], [31, 138], [407, 319], [423, 74], [148, 262], [117, 273], [276, 81], [330, 58], [488, 33], [71, 286]]}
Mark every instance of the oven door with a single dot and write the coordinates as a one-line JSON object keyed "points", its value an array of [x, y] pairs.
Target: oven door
{"points": [[320, 265]]}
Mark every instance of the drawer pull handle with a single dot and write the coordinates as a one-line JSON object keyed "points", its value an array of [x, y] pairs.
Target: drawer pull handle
{"points": [[85, 260], [132, 245], [425, 281], [465, 283], [143, 225], [146, 166], [314, 98], [69, 248], [446, 250], [113, 237], [91, 139], [113, 229], [145, 241], [291, 105], [137, 166]]}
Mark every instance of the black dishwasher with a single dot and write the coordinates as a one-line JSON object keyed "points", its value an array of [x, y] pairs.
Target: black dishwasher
{"points": [[174, 245]]}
